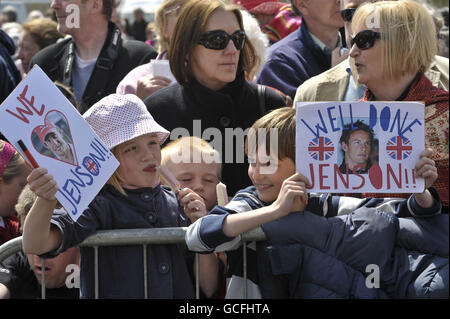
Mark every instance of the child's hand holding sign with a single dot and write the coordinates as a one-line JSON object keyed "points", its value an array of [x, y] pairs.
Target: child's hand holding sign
{"points": [[293, 195], [42, 183], [426, 168]]}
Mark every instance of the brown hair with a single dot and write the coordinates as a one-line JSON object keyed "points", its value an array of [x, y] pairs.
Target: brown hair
{"points": [[283, 120], [108, 6], [68, 93], [190, 26], [43, 31]]}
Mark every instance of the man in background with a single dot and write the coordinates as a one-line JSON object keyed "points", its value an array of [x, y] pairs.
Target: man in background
{"points": [[307, 51], [94, 59]]}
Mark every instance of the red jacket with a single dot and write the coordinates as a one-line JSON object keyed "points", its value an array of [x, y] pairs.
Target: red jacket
{"points": [[9, 228], [436, 130]]}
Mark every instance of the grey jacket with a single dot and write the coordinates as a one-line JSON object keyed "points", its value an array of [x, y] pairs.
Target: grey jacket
{"points": [[331, 85]]}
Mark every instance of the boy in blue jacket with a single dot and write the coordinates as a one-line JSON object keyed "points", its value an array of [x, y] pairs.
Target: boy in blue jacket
{"points": [[353, 242]]}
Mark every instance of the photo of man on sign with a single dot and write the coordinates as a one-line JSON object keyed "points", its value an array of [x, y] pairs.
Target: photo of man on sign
{"points": [[357, 141], [53, 139], [360, 146]]}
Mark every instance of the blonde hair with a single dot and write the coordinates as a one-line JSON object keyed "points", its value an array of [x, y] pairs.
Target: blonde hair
{"points": [[284, 121], [150, 28], [407, 31], [164, 10], [25, 201], [189, 145], [115, 178], [15, 166]]}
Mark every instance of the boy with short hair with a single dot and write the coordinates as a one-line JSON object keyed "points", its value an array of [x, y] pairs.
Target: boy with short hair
{"points": [[196, 165], [338, 248], [21, 274]]}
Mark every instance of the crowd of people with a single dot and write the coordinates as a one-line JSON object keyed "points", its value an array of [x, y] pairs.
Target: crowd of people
{"points": [[234, 65]]}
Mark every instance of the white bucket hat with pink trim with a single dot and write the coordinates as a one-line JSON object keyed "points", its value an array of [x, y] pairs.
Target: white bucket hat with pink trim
{"points": [[119, 118]]}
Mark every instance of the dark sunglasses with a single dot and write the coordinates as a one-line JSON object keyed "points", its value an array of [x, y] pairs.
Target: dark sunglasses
{"points": [[347, 14], [218, 39], [365, 39]]}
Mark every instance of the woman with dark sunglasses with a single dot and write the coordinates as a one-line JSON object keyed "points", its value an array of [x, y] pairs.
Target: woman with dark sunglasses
{"points": [[338, 83], [209, 54], [391, 55]]}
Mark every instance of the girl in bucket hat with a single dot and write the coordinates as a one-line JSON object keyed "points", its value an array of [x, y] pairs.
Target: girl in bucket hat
{"points": [[132, 198]]}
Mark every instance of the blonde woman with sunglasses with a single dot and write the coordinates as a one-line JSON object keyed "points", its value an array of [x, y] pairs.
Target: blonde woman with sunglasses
{"points": [[391, 55], [338, 84]]}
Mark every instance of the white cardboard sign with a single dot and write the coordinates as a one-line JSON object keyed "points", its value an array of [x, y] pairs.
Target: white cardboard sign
{"points": [[58, 138], [355, 147]]}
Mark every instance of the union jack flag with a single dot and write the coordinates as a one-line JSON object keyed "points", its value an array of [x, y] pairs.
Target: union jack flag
{"points": [[91, 166], [399, 148], [321, 148]]}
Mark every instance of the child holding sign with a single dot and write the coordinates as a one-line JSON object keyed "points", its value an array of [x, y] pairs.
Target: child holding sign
{"points": [[133, 198], [13, 174], [316, 257]]}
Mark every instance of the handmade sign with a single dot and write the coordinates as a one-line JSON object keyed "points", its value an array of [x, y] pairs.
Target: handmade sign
{"points": [[344, 147], [38, 115]]}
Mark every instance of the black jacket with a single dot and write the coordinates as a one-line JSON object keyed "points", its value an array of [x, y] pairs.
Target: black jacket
{"points": [[234, 107], [17, 275], [116, 59], [138, 30], [9, 75]]}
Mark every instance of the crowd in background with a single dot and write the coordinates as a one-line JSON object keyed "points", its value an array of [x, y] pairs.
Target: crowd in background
{"points": [[237, 65]]}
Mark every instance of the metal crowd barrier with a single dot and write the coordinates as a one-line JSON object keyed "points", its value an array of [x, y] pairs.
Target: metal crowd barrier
{"points": [[144, 237]]}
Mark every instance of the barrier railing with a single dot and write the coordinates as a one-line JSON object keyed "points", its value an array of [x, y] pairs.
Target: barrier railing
{"points": [[144, 237]]}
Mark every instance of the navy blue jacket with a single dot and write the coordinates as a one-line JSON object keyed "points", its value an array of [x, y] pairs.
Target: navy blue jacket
{"points": [[292, 61], [169, 267], [9, 74], [332, 258], [312, 255]]}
